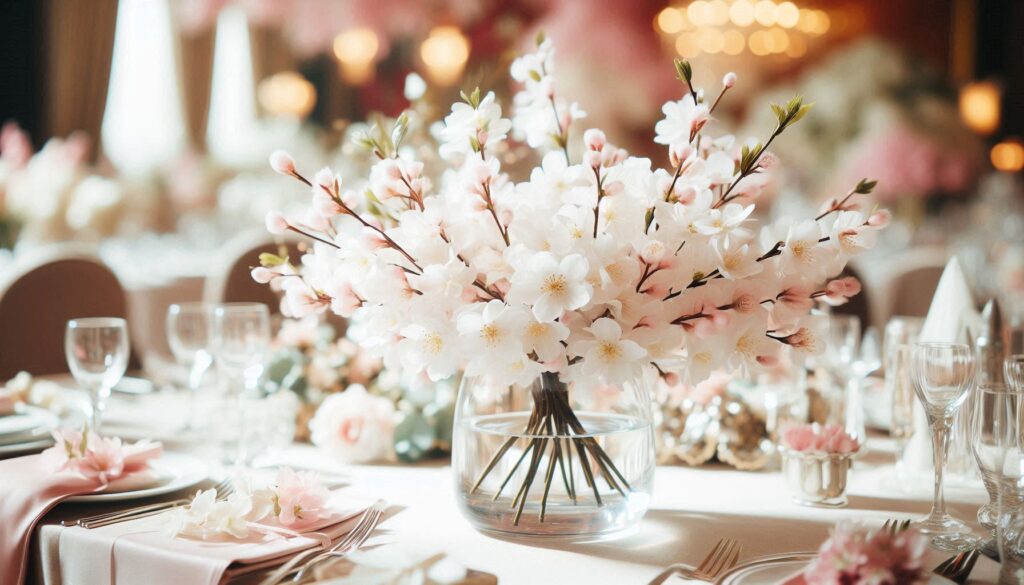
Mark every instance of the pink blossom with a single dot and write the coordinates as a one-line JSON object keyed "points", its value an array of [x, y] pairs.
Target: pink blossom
{"points": [[679, 153], [819, 439], [594, 139], [282, 162], [796, 298], [592, 159], [276, 223], [299, 497], [729, 80], [838, 291], [15, 146], [857, 556], [880, 218]]}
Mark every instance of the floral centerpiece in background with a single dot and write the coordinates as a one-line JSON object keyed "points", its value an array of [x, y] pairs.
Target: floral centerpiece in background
{"points": [[349, 405], [880, 113], [559, 296], [56, 196]]}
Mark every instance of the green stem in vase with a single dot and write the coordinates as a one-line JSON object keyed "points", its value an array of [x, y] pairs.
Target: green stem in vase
{"points": [[552, 420]]}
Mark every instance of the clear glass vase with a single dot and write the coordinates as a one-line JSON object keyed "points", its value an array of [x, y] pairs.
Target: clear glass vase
{"points": [[546, 460]]}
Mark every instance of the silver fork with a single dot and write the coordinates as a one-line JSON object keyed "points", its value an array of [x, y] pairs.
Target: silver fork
{"points": [[224, 489], [372, 520], [367, 521], [721, 558], [959, 567]]}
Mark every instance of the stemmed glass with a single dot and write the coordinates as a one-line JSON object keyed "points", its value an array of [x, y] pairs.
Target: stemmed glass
{"points": [[900, 334], [995, 441], [1013, 370], [943, 373], [97, 351], [841, 355], [241, 337], [189, 334]]}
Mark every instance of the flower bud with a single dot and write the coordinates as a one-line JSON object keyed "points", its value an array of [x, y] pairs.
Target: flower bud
{"points": [[262, 275], [276, 223], [729, 80], [679, 153], [594, 139], [880, 218], [323, 179], [282, 162], [592, 158]]}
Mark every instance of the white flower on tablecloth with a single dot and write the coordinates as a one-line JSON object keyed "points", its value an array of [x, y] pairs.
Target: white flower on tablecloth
{"points": [[354, 426], [207, 518]]}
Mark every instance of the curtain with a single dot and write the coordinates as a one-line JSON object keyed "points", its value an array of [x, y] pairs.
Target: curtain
{"points": [[270, 52], [79, 43], [195, 78]]}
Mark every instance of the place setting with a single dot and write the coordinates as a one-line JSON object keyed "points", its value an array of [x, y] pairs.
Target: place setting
{"points": [[467, 293]]}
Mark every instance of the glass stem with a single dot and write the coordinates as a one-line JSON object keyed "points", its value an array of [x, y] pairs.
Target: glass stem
{"points": [[940, 447], [97, 410]]}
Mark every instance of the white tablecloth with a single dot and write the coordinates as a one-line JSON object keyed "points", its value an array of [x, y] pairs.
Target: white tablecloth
{"points": [[691, 510]]}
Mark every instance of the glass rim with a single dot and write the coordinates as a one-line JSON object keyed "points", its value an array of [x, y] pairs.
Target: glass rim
{"points": [[941, 344], [91, 322], [175, 308], [234, 307]]}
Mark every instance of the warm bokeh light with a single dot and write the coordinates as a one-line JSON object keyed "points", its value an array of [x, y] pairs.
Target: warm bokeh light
{"points": [[1008, 156], [356, 50], [686, 45], [764, 27], [764, 12], [286, 94], [979, 106], [670, 20], [787, 15], [734, 42], [445, 52], [742, 13]]}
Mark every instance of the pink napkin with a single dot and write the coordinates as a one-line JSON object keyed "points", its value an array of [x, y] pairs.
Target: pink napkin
{"points": [[28, 489], [137, 552]]}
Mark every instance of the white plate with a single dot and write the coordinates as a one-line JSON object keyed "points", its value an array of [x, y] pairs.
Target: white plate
{"points": [[184, 471], [25, 448], [776, 568], [26, 419]]}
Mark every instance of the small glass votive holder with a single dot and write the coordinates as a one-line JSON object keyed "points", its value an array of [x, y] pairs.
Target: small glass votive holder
{"points": [[816, 478]]}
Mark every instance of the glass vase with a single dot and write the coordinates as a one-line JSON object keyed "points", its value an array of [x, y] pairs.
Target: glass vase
{"points": [[551, 460]]}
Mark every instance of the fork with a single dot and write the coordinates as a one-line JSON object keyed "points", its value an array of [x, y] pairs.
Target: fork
{"points": [[959, 567], [224, 489], [367, 521], [721, 558], [894, 527], [377, 510]]}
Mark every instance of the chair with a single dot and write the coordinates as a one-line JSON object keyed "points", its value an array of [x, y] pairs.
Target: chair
{"points": [[40, 295]]}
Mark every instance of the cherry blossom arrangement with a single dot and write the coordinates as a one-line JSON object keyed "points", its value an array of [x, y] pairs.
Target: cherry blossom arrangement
{"points": [[294, 500], [857, 555], [596, 269], [815, 438]]}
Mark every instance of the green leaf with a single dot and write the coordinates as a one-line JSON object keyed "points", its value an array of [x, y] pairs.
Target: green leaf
{"points": [[684, 71], [535, 75], [400, 130], [780, 113], [865, 187], [801, 112], [539, 39], [269, 260]]}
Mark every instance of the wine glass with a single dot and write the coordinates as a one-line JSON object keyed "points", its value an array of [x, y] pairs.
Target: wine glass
{"points": [[1013, 371], [943, 374], [189, 333], [96, 349], [995, 442], [900, 334], [241, 336], [841, 352]]}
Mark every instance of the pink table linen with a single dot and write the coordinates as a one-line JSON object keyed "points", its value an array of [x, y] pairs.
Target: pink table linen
{"points": [[28, 489], [137, 552]]}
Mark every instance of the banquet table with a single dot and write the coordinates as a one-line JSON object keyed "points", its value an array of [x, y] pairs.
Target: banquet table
{"points": [[692, 508]]}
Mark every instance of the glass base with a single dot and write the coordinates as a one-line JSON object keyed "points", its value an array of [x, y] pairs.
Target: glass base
{"points": [[941, 524], [955, 542]]}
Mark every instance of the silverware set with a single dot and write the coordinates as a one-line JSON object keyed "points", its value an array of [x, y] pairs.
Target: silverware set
{"points": [[721, 558], [302, 563], [224, 489]]}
